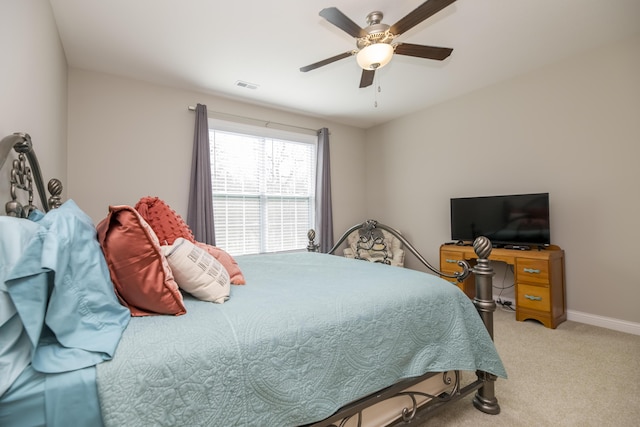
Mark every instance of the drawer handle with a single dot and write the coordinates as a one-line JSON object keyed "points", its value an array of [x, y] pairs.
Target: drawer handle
{"points": [[533, 297], [451, 261], [532, 270]]}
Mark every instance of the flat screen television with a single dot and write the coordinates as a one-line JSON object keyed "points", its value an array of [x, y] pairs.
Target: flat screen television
{"points": [[519, 220]]}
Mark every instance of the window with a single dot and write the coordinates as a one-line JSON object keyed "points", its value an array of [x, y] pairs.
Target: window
{"points": [[263, 184]]}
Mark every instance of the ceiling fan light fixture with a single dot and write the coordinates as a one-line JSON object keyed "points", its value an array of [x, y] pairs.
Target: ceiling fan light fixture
{"points": [[374, 56]]}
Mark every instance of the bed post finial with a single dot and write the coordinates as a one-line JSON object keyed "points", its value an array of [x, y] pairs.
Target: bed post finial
{"points": [[485, 398], [482, 247], [55, 189], [312, 246]]}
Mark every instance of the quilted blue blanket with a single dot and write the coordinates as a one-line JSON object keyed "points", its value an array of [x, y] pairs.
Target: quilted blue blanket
{"points": [[306, 335]]}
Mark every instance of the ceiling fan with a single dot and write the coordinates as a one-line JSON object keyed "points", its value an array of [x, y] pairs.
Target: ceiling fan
{"points": [[374, 42]]}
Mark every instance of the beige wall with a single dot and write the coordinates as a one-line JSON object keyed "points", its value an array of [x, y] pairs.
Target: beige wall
{"points": [[33, 85], [571, 129], [129, 139]]}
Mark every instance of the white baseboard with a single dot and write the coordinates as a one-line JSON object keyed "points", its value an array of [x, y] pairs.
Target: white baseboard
{"points": [[595, 320], [604, 322]]}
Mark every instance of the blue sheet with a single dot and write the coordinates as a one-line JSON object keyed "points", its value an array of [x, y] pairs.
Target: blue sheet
{"points": [[306, 335], [62, 318], [54, 400], [15, 348]]}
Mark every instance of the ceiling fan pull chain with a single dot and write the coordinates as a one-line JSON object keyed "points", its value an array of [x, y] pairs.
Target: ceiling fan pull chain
{"points": [[375, 99], [375, 96], [377, 77]]}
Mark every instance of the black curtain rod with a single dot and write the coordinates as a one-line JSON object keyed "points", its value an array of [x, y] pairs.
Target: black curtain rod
{"points": [[265, 123]]}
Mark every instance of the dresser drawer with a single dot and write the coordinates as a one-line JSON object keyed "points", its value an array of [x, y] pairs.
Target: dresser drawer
{"points": [[533, 297], [449, 261], [532, 271]]}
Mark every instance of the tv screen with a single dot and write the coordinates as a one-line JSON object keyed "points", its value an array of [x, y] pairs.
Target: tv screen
{"points": [[519, 219]]}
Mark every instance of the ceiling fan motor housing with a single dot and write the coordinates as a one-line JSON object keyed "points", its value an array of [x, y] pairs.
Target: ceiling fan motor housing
{"points": [[376, 31]]}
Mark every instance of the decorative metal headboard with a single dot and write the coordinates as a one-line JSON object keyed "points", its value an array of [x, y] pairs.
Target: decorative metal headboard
{"points": [[25, 171], [369, 225], [372, 240]]}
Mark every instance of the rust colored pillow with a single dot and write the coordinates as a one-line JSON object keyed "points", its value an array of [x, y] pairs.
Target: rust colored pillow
{"points": [[166, 223], [139, 271], [235, 275]]}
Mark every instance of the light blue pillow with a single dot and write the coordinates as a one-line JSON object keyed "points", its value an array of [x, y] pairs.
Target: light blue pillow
{"points": [[15, 348]]}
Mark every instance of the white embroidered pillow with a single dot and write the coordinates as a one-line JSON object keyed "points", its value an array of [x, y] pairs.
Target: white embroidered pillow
{"points": [[197, 272]]}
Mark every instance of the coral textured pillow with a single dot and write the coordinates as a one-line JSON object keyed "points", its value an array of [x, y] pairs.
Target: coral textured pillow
{"points": [[230, 264], [139, 271], [197, 271], [166, 223]]}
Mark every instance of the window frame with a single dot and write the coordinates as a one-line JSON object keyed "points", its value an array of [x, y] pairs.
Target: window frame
{"points": [[266, 132]]}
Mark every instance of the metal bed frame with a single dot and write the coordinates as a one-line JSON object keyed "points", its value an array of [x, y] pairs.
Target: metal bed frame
{"points": [[25, 172], [484, 385]]}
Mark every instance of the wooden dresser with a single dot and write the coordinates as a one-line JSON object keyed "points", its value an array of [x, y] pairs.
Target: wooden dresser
{"points": [[539, 279]]}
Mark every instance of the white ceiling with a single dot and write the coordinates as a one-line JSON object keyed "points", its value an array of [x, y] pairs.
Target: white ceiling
{"points": [[209, 45]]}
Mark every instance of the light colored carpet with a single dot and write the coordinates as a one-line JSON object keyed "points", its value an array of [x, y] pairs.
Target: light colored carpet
{"points": [[575, 375]]}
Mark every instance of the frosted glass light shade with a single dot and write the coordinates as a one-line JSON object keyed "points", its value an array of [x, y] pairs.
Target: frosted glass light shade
{"points": [[374, 56]]}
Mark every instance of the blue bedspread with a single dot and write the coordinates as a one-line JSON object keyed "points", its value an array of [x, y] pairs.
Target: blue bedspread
{"points": [[306, 335]]}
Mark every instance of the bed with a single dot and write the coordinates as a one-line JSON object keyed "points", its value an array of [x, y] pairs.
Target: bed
{"points": [[309, 339]]}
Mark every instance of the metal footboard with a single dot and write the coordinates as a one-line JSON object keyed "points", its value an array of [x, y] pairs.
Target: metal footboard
{"points": [[485, 399]]}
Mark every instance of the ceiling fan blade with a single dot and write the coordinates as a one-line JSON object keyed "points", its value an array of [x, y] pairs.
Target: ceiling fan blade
{"points": [[420, 51], [419, 14], [342, 21], [367, 78], [326, 61]]}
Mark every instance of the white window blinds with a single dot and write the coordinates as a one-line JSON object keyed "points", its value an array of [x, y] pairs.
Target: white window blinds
{"points": [[263, 184]]}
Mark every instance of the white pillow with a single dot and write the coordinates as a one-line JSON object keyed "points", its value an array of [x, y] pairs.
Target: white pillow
{"points": [[198, 272]]}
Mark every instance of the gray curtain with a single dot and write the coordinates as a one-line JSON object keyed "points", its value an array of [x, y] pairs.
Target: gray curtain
{"points": [[200, 210], [324, 211]]}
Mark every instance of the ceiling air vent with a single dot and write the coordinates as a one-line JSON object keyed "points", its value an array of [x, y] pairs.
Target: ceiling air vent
{"points": [[247, 85]]}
